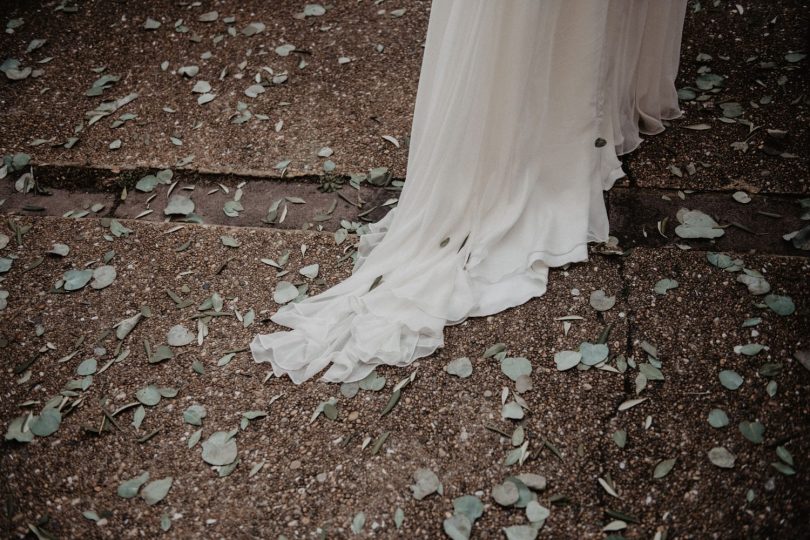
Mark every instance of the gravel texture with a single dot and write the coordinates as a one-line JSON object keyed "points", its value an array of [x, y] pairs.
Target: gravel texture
{"points": [[351, 106], [346, 106], [317, 476]]}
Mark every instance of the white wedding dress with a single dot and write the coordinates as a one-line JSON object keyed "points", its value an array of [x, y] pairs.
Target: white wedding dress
{"points": [[521, 110]]}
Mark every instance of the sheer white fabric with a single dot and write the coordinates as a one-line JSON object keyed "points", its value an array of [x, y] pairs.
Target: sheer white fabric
{"points": [[504, 178]]}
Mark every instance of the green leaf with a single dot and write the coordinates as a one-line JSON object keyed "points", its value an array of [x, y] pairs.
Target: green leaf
{"points": [[76, 279], [129, 488], [426, 483], [784, 455], [663, 467], [458, 527], [730, 379], [567, 359], [148, 395], [600, 301], [219, 448], [663, 285], [620, 438], [753, 431], [515, 367], [782, 305], [592, 354], [46, 423], [460, 367], [721, 457], [156, 491], [718, 418], [88, 367]]}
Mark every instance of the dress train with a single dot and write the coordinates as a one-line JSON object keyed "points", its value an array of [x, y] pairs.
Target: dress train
{"points": [[521, 111]]}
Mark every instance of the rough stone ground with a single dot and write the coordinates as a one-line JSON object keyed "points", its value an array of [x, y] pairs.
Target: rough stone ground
{"points": [[317, 477], [350, 106]]}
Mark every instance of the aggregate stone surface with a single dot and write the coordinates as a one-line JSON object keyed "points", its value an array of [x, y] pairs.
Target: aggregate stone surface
{"points": [[318, 476]]}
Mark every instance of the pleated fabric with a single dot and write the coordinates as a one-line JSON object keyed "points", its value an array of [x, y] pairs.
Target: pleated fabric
{"points": [[521, 111]]}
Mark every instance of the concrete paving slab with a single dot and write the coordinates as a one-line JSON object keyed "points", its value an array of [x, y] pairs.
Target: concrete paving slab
{"points": [[748, 44], [756, 226], [696, 328], [346, 106], [350, 106], [319, 210], [439, 423]]}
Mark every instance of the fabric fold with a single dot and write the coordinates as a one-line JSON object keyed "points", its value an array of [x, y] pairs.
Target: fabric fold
{"points": [[505, 175]]}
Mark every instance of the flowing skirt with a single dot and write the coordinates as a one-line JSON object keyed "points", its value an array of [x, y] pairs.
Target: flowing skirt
{"points": [[521, 111]]}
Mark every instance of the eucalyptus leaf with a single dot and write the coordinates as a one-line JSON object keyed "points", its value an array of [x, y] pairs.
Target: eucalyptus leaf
{"points": [[426, 483], [129, 488], [285, 292], [730, 379], [76, 279], [567, 359], [600, 301], [46, 423], [784, 455], [663, 467], [620, 438], [592, 354], [179, 205], [148, 395], [457, 527], [87, 367], [470, 506], [663, 285], [753, 431], [536, 513], [515, 367], [156, 490], [718, 418], [505, 494], [219, 448], [103, 276], [782, 305], [180, 336], [460, 367], [721, 457], [512, 410], [520, 532], [59, 250], [194, 415]]}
